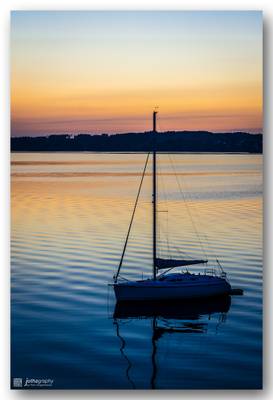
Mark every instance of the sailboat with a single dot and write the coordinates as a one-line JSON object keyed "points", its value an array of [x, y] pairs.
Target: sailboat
{"points": [[167, 285]]}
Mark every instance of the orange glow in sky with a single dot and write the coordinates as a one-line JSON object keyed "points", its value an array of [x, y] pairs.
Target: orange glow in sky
{"points": [[105, 71]]}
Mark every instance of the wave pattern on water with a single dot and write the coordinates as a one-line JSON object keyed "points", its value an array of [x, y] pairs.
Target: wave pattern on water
{"points": [[67, 237]]}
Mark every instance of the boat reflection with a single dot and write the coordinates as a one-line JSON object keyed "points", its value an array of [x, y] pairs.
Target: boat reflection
{"points": [[168, 318]]}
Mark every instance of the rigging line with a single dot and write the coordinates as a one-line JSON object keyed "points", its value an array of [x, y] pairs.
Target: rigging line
{"points": [[161, 184], [159, 197], [166, 205], [189, 211], [177, 249], [159, 227], [203, 233], [187, 206], [191, 257], [132, 218], [196, 211]]}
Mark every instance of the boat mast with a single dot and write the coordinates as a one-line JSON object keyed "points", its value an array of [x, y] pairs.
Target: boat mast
{"points": [[154, 195]]}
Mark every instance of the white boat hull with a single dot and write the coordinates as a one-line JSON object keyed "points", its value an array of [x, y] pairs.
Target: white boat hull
{"points": [[156, 290]]}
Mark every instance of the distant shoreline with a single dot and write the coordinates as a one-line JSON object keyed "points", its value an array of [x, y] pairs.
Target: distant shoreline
{"points": [[135, 152], [177, 142]]}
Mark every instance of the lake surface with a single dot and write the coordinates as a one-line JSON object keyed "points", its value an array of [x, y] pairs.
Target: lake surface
{"points": [[70, 215]]}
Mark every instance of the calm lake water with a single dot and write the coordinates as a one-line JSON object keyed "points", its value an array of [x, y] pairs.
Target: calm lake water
{"points": [[70, 215]]}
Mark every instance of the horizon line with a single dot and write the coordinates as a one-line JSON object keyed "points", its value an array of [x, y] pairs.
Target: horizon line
{"points": [[258, 131]]}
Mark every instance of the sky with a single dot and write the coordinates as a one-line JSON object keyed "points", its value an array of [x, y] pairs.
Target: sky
{"points": [[105, 71]]}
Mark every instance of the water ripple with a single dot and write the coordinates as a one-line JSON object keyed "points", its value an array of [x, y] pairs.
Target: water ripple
{"points": [[70, 215]]}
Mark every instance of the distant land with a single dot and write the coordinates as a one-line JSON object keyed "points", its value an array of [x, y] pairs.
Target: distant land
{"points": [[176, 141]]}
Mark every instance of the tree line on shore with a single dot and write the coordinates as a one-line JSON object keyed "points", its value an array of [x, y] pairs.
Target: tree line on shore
{"points": [[177, 141]]}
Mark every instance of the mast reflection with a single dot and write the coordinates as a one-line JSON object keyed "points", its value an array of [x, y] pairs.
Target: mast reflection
{"points": [[169, 318]]}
